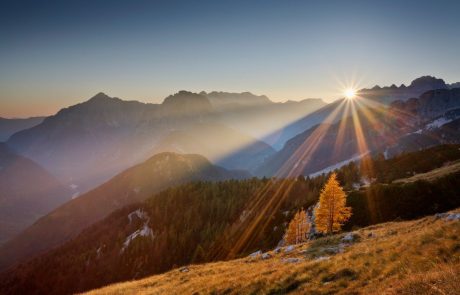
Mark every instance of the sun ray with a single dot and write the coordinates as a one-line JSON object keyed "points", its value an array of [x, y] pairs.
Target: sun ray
{"points": [[292, 167]]}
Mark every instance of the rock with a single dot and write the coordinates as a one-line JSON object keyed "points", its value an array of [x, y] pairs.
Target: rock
{"points": [[255, 254], [440, 215], [453, 216], [321, 258], [371, 235], [277, 250], [289, 249], [266, 256], [291, 260], [184, 269], [350, 238]]}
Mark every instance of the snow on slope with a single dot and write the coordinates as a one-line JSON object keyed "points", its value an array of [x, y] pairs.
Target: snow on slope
{"points": [[144, 231], [338, 165]]}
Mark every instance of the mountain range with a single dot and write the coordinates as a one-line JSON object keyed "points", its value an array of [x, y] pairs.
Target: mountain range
{"points": [[199, 222], [108, 155]]}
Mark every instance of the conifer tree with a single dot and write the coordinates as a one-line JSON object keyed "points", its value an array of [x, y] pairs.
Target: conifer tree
{"points": [[298, 229], [332, 212]]}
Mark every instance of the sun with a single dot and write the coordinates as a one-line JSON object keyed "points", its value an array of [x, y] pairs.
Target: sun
{"points": [[350, 93]]}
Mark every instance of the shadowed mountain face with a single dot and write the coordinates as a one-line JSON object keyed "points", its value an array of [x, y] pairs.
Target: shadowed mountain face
{"points": [[405, 126], [86, 144], [27, 192], [380, 95], [135, 184], [10, 126], [222, 145]]}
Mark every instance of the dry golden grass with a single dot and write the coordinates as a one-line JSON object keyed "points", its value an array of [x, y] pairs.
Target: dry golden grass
{"points": [[413, 257]]}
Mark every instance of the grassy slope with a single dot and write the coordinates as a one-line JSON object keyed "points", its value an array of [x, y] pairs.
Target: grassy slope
{"points": [[412, 257], [433, 174]]}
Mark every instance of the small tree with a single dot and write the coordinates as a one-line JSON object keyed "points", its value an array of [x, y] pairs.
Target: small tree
{"points": [[331, 213], [298, 229]]}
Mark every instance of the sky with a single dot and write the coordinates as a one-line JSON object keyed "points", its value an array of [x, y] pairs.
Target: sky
{"points": [[57, 53]]}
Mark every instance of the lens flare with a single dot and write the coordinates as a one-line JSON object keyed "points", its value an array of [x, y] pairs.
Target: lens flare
{"points": [[350, 93]]}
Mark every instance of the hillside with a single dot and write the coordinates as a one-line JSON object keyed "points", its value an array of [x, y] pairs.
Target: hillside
{"points": [[10, 126], [20, 204], [201, 222], [133, 185], [221, 145], [411, 257]]}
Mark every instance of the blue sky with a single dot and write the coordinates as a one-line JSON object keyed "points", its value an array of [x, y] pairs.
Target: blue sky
{"points": [[57, 53]]}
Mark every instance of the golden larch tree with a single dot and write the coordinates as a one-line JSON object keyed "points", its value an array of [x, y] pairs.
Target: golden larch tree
{"points": [[332, 212], [298, 229]]}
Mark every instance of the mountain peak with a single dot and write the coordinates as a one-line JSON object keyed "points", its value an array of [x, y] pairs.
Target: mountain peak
{"points": [[100, 96], [186, 103], [428, 81]]}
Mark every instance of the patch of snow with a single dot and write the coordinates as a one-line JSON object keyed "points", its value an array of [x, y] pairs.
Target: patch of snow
{"points": [[145, 231], [438, 123], [75, 195], [385, 154], [338, 165], [73, 186], [139, 213]]}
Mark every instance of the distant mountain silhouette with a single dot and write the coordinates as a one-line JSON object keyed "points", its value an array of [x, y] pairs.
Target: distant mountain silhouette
{"points": [[418, 86], [229, 100], [86, 144], [133, 185], [27, 191], [185, 103], [10, 126]]}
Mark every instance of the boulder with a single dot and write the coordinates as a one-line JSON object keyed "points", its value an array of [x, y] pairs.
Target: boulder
{"points": [[255, 254], [289, 249], [291, 260], [266, 256], [350, 237]]}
